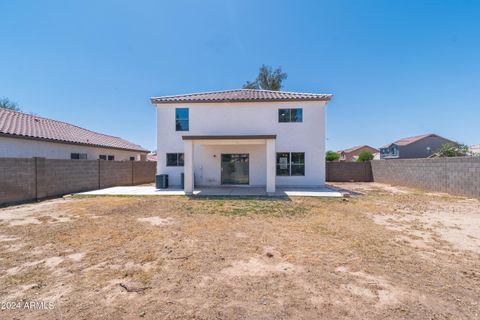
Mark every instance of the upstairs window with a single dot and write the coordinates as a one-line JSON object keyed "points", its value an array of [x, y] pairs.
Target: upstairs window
{"points": [[102, 157], [174, 159], [78, 156], [132, 158], [111, 158], [290, 115], [181, 119], [290, 164]]}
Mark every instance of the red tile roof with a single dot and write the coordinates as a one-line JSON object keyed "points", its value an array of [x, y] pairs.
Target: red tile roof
{"points": [[242, 95], [152, 157], [19, 124], [355, 149]]}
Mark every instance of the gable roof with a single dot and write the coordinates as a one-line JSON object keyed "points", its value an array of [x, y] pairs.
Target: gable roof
{"points": [[409, 140], [242, 95], [352, 149], [22, 125]]}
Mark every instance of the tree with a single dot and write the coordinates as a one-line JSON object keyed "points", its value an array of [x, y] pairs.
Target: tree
{"points": [[453, 150], [365, 155], [8, 104], [267, 79], [332, 156]]}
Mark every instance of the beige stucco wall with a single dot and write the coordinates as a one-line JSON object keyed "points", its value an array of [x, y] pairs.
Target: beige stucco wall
{"points": [[26, 148]]}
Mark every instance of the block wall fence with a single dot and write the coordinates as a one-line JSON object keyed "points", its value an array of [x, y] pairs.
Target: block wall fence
{"points": [[458, 176], [338, 171], [26, 179]]}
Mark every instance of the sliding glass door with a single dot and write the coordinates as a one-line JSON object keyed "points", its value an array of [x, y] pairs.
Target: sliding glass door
{"points": [[235, 168]]}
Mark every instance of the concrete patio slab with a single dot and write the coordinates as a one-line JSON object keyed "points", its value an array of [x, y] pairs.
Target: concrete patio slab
{"points": [[216, 192]]}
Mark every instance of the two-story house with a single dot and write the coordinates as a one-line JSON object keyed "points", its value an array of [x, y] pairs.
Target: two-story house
{"points": [[413, 147], [242, 137]]}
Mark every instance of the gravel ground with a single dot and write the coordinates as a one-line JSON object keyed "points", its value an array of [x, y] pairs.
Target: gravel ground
{"points": [[389, 252]]}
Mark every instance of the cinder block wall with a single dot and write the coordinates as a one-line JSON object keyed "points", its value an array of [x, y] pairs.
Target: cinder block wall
{"points": [[17, 179], [68, 176], [348, 171], [460, 176], [116, 173], [143, 172], [23, 179]]}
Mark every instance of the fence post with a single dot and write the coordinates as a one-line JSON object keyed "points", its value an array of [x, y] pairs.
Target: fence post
{"points": [[98, 169], [368, 171], [132, 171], [327, 176]]}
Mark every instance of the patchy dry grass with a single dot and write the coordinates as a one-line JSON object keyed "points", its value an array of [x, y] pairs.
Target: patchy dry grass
{"points": [[391, 253]]}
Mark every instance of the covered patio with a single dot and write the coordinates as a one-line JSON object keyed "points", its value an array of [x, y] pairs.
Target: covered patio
{"points": [[217, 171]]}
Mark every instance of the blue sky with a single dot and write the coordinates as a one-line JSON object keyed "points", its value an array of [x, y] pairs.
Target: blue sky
{"points": [[397, 68]]}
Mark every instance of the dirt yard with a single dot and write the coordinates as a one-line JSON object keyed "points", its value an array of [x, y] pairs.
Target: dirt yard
{"points": [[391, 253]]}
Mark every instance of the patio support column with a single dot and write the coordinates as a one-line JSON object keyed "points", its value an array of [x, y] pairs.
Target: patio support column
{"points": [[188, 166], [270, 152]]}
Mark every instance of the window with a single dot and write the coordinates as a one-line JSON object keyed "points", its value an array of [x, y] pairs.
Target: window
{"points": [[102, 157], [78, 156], [290, 115], [283, 164], [297, 164], [111, 158], [174, 159], [181, 119], [132, 158], [290, 164]]}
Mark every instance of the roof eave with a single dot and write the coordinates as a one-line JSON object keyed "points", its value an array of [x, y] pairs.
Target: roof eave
{"points": [[230, 137], [156, 100], [9, 135]]}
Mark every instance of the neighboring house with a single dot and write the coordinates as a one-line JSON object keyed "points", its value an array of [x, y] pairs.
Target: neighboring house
{"points": [[413, 147], [242, 137], [152, 157], [352, 153], [24, 136], [475, 149]]}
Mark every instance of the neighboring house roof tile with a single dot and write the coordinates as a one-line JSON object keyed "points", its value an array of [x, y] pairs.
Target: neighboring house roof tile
{"points": [[409, 140], [19, 124], [352, 149], [152, 157], [242, 95]]}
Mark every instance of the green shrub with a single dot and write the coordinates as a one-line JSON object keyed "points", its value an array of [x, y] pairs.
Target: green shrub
{"points": [[452, 150], [332, 156], [365, 156]]}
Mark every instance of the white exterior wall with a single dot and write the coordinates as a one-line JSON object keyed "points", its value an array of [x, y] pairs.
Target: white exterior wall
{"points": [[208, 158], [257, 118], [27, 148]]}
